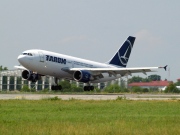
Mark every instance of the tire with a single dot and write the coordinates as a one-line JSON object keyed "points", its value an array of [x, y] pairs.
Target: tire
{"points": [[91, 88], [52, 87], [59, 87], [85, 88]]}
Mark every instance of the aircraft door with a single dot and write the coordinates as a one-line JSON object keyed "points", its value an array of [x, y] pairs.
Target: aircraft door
{"points": [[72, 64], [42, 63], [41, 56]]}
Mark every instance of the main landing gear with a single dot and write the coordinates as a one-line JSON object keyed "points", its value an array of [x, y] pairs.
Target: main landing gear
{"points": [[88, 88], [56, 87]]}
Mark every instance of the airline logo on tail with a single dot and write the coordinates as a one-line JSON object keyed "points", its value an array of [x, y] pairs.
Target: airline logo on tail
{"points": [[122, 56], [125, 57]]}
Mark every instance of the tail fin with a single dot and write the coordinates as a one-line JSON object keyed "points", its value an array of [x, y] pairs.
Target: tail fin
{"points": [[122, 56]]}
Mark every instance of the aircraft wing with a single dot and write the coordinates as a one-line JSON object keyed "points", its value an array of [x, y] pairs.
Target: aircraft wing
{"points": [[20, 67], [121, 71]]}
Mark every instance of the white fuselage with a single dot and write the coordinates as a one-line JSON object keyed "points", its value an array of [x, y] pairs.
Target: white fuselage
{"points": [[53, 64]]}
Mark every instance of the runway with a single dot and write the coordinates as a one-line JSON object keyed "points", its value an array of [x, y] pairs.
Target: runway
{"points": [[92, 96]]}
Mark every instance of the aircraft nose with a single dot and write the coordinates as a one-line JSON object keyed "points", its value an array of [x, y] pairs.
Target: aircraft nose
{"points": [[21, 58]]}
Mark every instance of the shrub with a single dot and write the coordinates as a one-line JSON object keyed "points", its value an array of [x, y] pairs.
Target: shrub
{"points": [[96, 89], [124, 90], [54, 98], [145, 90], [45, 90], [171, 88], [136, 89], [74, 88], [25, 88], [65, 84], [32, 90], [113, 88]]}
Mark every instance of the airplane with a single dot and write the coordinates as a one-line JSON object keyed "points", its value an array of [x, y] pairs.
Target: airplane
{"points": [[36, 63]]}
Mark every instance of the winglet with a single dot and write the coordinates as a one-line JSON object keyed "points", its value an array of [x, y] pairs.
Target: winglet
{"points": [[165, 67]]}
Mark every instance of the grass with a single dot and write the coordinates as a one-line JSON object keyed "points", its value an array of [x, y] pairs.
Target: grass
{"points": [[80, 117]]}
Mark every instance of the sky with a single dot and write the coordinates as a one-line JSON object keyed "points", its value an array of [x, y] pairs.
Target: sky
{"points": [[94, 30]]}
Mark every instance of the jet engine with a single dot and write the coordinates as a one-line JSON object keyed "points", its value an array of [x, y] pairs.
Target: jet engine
{"points": [[82, 76], [30, 76]]}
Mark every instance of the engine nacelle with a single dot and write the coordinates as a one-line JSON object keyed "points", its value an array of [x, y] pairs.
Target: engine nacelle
{"points": [[30, 76], [82, 76]]}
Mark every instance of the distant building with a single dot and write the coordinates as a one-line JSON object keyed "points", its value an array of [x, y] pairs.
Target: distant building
{"points": [[161, 85]]}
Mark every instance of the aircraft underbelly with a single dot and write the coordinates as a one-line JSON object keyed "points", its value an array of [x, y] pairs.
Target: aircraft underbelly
{"points": [[53, 70], [106, 78]]}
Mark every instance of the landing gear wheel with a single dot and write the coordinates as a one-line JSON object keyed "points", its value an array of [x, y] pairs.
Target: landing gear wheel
{"points": [[58, 87], [85, 88], [91, 87], [52, 87], [88, 88]]}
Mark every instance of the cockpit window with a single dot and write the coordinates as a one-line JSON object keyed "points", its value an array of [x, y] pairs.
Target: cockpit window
{"points": [[29, 54]]}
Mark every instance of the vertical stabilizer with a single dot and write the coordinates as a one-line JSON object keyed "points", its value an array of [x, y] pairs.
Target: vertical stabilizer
{"points": [[122, 56]]}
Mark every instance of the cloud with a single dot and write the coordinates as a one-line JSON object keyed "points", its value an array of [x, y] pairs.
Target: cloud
{"points": [[146, 37]]}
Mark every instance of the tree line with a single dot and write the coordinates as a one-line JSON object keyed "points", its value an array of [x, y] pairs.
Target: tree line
{"points": [[147, 79]]}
